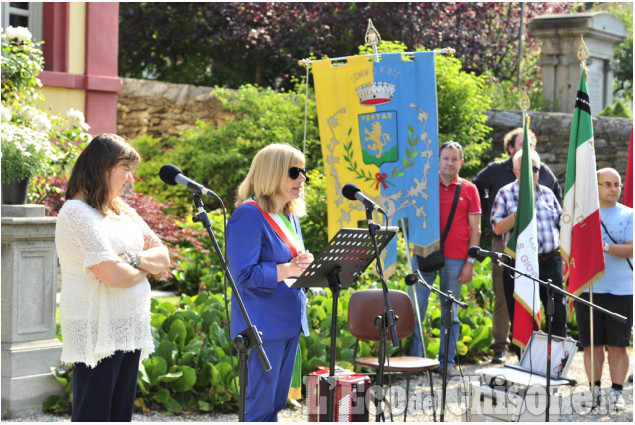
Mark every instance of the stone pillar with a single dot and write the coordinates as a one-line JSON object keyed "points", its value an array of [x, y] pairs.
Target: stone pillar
{"points": [[560, 37], [29, 345]]}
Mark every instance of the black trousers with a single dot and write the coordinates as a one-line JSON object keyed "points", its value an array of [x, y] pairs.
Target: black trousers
{"points": [[106, 392], [548, 269]]}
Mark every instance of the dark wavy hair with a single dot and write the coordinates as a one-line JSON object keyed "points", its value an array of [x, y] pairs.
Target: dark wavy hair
{"points": [[91, 171]]}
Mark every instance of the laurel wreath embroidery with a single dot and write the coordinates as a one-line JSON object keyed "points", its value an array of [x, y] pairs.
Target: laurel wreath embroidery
{"points": [[397, 171]]}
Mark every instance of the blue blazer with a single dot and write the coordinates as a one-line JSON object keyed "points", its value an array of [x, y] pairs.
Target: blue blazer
{"points": [[253, 252]]}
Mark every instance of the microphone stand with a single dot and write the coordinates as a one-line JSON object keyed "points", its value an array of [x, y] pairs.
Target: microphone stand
{"points": [[549, 309], [448, 300], [248, 339], [388, 322]]}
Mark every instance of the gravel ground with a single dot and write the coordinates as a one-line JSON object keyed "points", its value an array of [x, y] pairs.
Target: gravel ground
{"points": [[570, 408]]}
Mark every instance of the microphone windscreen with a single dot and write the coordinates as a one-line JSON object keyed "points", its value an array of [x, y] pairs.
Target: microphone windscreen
{"points": [[473, 251], [168, 174], [410, 279], [349, 190]]}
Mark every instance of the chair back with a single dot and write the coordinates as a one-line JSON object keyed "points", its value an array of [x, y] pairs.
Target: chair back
{"points": [[367, 304]]}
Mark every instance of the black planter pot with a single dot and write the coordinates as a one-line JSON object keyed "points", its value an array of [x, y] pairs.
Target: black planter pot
{"points": [[14, 193]]}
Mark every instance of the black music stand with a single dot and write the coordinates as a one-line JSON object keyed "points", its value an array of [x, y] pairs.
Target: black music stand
{"points": [[338, 266]]}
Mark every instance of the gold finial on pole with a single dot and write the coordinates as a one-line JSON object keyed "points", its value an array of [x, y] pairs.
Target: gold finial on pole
{"points": [[583, 55], [524, 104], [372, 38]]}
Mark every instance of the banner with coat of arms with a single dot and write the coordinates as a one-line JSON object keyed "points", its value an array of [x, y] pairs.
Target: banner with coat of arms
{"points": [[378, 128]]}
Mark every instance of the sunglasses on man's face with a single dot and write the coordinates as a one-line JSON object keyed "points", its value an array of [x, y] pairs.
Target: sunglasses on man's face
{"points": [[294, 173]]}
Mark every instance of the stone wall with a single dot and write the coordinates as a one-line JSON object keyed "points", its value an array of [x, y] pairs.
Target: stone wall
{"points": [[160, 109], [165, 109], [612, 136]]}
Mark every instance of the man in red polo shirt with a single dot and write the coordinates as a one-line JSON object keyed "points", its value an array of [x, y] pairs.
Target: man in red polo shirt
{"points": [[465, 231]]}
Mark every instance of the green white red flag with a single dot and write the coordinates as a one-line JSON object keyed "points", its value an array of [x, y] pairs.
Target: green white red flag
{"points": [[580, 229], [523, 246]]}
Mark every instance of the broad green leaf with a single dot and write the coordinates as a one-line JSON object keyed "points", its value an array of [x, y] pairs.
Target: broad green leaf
{"points": [[170, 377], [186, 381], [162, 396]]}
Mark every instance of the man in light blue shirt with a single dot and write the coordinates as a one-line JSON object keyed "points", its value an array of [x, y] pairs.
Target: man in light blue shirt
{"points": [[614, 292]]}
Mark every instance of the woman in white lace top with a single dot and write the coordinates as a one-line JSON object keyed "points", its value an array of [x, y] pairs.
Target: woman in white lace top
{"points": [[106, 252]]}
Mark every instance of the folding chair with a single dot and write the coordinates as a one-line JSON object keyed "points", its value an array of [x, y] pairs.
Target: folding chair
{"points": [[363, 308]]}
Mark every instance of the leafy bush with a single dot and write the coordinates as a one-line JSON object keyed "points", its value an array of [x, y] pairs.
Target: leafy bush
{"points": [[191, 368], [199, 266], [618, 110], [219, 158]]}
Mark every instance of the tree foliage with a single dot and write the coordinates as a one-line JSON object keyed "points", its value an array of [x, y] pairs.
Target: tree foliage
{"points": [[219, 158], [229, 44], [623, 85]]}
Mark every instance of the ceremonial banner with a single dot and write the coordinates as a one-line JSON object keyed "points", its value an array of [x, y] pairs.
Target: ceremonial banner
{"points": [[580, 229], [378, 127], [523, 246]]}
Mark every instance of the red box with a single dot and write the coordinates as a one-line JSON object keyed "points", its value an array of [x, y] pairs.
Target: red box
{"points": [[350, 396]]}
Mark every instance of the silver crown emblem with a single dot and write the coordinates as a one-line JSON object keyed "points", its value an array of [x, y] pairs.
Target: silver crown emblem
{"points": [[375, 93]]}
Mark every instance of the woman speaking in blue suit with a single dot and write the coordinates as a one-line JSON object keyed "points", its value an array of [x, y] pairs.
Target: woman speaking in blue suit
{"points": [[265, 253]]}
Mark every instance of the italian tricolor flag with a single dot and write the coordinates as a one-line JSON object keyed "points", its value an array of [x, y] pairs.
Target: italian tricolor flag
{"points": [[580, 229], [523, 246]]}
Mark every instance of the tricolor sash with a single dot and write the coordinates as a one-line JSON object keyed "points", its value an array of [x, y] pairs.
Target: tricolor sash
{"points": [[283, 228]]}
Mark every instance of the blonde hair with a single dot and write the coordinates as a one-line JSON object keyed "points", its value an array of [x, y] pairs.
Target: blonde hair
{"points": [[267, 179]]}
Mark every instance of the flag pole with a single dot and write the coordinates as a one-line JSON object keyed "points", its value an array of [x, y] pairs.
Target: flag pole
{"points": [[523, 104], [307, 62], [583, 55]]}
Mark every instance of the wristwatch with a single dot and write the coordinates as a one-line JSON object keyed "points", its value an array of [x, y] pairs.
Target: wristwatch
{"points": [[471, 260], [606, 247]]}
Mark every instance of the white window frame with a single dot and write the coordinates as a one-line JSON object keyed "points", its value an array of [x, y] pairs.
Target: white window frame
{"points": [[34, 15]]}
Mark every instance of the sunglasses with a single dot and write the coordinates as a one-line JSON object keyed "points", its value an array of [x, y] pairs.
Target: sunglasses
{"points": [[294, 173], [535, 169]]}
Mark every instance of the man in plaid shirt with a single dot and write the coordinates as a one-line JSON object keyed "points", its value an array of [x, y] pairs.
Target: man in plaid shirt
{"points": [[548, 214]]}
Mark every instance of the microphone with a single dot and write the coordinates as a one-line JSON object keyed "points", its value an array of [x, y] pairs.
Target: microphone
{"points": [[411, 279], [172, 175], [352, 192], [480, 254]]}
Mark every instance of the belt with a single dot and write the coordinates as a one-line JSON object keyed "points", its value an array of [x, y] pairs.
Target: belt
{"points": [[549, 255]]}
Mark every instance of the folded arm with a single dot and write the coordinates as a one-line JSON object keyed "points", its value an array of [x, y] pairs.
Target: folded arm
{"points": [[624, 250]]}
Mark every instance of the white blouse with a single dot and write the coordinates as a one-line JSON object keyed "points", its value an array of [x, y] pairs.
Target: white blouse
{"points": [[97, 319]]}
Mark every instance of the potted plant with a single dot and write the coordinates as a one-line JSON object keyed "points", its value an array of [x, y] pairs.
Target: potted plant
{"points": [[25, 153]]}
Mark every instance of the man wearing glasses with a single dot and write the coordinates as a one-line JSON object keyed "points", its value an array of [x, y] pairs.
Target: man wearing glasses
{"points": [[489, 181], [548, 214], [613, 291]]}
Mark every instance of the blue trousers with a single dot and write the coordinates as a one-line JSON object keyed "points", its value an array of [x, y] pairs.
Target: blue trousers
{"points": [[267, 392], [106, 392], [449, 281]]}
